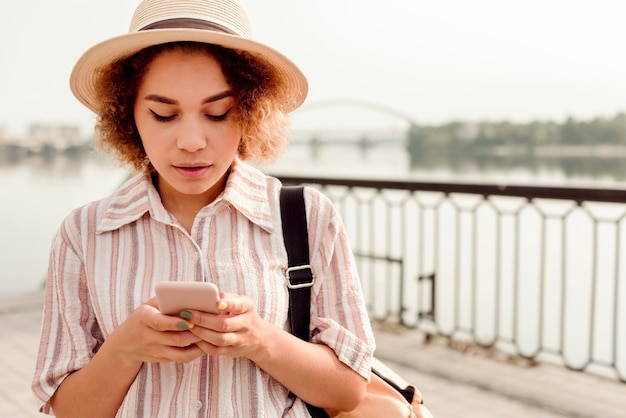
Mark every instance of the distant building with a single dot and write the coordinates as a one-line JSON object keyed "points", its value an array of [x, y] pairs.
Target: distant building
{"points": [[4, 135], [57, 137]]}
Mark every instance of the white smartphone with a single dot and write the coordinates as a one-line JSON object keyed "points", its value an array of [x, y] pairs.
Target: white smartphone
{"points": [[174, 297]]}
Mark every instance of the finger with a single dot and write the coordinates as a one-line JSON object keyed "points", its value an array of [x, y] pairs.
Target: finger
{"points": [[235, 305], [152, 302], [218, 323], [193, 318], [214, 338], [210, 349], [178, 339], [160, 322], [180, 354], [218, 344]]}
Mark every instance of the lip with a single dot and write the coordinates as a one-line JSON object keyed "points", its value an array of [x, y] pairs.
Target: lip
{"points": [[192, 171]]}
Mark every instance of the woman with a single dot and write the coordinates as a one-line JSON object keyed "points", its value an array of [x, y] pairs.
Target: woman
{"points": [[186, 98]]}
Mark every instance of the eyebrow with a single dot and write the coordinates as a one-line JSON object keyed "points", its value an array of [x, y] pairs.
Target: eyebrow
{"points": [[166, 100]]}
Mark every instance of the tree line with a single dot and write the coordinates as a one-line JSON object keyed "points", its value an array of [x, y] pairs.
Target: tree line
{"points": [[516, 138]]}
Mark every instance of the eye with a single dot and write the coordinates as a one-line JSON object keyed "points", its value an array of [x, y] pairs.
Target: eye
{"points": [[161, 118], [218, 118]]}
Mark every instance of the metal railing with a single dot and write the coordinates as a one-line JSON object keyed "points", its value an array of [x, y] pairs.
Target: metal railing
{"points": [[533, 272]]}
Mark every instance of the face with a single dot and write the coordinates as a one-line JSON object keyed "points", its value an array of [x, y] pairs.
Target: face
{"points": [[183, 115]]}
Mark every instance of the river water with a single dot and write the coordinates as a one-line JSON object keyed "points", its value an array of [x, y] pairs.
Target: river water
{"points": [[39, 191]]}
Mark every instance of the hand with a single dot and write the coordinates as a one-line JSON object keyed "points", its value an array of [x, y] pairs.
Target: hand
{"points": [[235, 332], [149, 336]]}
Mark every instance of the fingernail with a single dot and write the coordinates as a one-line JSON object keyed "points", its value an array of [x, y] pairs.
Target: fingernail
{"points": [[185, 325], [222, 305], [185, 315]]}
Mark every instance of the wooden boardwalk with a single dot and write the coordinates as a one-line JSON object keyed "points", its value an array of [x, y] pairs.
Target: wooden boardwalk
{"points": [[453, 384]]}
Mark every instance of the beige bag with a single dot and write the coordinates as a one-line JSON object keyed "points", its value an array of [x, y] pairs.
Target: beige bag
{"points": [[383, 399]]}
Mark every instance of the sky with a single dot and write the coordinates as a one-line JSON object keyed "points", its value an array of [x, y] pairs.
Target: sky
{"points": [[432, 61]]}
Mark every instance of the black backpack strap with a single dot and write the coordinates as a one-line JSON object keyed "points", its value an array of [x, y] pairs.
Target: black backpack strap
{"points": [[299, 276]]}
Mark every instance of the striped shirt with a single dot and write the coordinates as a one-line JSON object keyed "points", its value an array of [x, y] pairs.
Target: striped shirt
{"points": [[108, 255]]}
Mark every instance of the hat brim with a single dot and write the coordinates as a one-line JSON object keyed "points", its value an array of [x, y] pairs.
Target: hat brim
{"points": [[82, 79]]}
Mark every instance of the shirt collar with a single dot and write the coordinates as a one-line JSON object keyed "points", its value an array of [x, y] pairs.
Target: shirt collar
{"points": [[246, 191]]}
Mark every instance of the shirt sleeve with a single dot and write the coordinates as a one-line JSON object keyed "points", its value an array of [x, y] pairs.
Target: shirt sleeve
{"points": [[339, 317], [69, 334]]}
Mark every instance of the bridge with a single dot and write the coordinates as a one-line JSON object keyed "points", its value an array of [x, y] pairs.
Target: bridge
{"points": [[362, 138]]}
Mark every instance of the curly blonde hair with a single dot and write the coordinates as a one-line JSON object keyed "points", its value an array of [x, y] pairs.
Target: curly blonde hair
{"points": [[260, 103]]}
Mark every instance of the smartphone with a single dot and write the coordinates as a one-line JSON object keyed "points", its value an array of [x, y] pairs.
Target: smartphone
{"points": [[174, 297]]}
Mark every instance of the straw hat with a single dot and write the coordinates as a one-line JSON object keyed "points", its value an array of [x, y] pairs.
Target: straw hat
{"points": [[219, 22]]}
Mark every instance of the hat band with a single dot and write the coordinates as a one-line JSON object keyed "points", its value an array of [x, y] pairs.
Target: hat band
{"points": [[188, 23]]}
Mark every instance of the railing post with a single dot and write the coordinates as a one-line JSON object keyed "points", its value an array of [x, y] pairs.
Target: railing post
{"points": [[429, 313]]}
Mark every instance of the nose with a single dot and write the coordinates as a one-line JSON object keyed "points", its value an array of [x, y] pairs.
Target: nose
{"points": [[191, 136]]}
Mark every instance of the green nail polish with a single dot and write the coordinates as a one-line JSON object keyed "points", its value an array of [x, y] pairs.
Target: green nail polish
{"points": [[185, 315], [182, 325]]}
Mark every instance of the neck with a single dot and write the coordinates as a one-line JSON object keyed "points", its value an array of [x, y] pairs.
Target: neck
{"points": [[185, 207]]}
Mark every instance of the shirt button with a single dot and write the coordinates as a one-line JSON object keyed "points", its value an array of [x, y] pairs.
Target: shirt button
{"points": [[198, 405], [195, 257]]}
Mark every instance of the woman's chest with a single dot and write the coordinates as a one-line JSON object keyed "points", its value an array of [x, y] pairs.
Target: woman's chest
{"points": [[246, 261]]}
